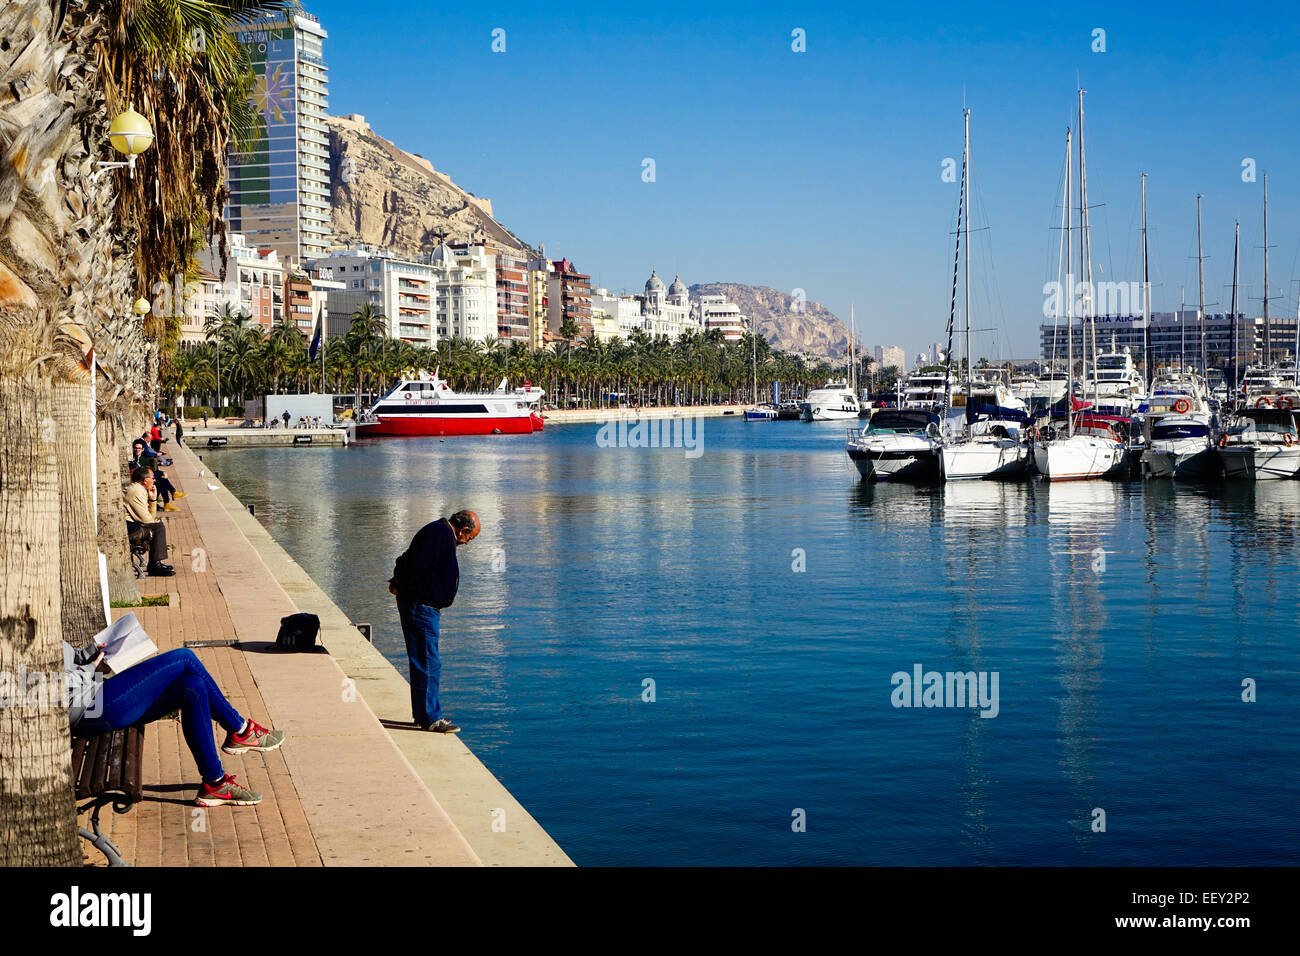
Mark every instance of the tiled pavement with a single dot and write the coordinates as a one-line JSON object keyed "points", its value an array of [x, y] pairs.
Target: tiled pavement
{"points": [[309, 815]]}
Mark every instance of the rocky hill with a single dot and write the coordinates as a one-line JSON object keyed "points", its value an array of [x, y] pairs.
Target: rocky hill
{"points": [[384, 196], [813, 330]]}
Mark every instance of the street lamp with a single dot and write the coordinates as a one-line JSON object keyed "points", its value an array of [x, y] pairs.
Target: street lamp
{"points": [[130, 134], [142, 307]]}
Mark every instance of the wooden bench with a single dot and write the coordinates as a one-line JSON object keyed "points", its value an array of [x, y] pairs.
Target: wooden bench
{"points": [[106, 768]]}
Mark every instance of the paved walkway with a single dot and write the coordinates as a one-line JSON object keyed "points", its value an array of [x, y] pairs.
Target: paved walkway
{"points": [[339, 792]]}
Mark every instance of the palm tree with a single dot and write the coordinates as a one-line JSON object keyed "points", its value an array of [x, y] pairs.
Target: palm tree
{"points": [[220, 327], [375, 332], [68, 68]]}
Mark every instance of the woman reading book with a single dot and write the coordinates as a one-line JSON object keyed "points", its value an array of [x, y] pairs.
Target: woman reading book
{"points": [[154, 688]]}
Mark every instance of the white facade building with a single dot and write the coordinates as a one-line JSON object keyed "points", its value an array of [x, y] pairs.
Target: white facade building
{"points": [[402, 289], [890, 355], [717, 313], [254, 280], [666, 311], [623, 310], [467, 291]]}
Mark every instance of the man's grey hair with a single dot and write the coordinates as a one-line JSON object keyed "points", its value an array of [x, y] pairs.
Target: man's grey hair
{"points": [[462, 521]]}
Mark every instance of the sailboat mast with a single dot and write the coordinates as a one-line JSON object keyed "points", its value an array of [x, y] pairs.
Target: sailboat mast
{"points": [[966, 308], [1146, 292], [1200, 279], [952, 302], [853, 351], [1268, 336], [1236, 266], [1069, 295], [1182, 329], [1085, 260]]}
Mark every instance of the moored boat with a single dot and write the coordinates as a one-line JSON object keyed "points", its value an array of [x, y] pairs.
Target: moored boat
{"points": [[1260, 444], [429, 406], [1181, 447], [899, 444]]}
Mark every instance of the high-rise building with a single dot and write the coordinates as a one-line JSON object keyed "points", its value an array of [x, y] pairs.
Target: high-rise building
{"points": [[279, 187], [512, 298], [568, 296], [539, 271], [890, 355], [467, 290]]}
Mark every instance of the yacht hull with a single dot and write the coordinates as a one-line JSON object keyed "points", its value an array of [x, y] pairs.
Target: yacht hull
{"points": [[1194, 463], [1078, 458], [1260, 462], [978, 460], [818, 413], [875, 464]]}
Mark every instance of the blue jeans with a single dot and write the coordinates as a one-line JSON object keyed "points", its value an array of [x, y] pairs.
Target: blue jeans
{"points": [[420, 628], [173, 681], [166, 490]]}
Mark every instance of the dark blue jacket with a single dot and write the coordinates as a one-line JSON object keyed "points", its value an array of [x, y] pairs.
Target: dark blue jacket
{"points": [[427, 573]]}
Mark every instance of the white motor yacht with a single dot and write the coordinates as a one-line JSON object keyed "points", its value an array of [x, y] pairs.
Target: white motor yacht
{"points": [[898, 444], [1260, 444], [1181, 447], [834, 401]]}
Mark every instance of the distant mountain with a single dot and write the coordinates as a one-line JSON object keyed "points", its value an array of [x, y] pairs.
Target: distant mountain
{"points": [[383, 196], [813, 330]]}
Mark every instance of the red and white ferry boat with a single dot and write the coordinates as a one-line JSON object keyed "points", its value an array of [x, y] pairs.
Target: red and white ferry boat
{"points": [[429, 406]]}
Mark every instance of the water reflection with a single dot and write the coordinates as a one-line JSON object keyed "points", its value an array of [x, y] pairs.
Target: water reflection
{"points": [[1110, 611]]}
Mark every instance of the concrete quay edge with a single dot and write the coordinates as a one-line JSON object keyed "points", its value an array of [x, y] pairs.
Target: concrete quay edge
{"points": [[466, 790]]}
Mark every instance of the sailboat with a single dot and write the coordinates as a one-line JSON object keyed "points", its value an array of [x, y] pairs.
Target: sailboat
{"points": [[988, 449], [1178, 418], [767, 411], [1090, 447]]}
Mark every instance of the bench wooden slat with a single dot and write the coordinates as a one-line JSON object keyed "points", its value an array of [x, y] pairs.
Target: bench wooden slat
{"points": [[100, 768], [111, 762], [116, 753], [79, 747], [135, 760]]}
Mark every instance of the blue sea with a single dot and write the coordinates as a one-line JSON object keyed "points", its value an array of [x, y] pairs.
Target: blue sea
{"points": [[673, 658]]}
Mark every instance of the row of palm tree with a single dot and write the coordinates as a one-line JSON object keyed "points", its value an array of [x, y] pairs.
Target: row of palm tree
{"points": [[242, 359], [77, 374]]}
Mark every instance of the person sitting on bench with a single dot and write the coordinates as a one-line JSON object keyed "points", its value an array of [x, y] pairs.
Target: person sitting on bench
{"points": [[152, 689], [140, 502], [142, 456]]}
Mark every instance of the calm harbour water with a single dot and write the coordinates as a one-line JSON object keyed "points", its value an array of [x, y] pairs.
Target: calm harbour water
{"points": [[1120, 682]]}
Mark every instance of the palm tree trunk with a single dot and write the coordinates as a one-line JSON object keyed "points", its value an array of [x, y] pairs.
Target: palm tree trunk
{"points": [[111, 535], [37, 813], [82, 597]]}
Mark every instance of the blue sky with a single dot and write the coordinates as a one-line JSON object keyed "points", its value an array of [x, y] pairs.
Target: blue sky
{"points": [[821, 170]]}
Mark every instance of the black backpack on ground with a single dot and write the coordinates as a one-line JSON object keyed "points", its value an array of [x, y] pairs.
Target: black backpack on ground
{"points": [[298, 632]]}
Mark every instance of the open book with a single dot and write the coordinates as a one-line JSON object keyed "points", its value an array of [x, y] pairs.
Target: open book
{"points": [[127, 643]]}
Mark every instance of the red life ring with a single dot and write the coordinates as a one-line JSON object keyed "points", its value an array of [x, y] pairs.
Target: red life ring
{"points": [[1285, 403], [1182, 406], [1288, 439], [1263, 402]]}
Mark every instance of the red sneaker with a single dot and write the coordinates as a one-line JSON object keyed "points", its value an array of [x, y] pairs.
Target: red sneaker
{"points": [[256, 737], [226, 792]]}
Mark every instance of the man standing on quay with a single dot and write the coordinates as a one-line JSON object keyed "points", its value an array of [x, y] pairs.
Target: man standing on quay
{"points": [[425, 579]]}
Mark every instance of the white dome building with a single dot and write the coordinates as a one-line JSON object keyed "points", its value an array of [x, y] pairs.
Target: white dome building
{"points": [[666, 311]]}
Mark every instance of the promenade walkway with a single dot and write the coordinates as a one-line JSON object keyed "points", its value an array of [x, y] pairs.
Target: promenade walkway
{"points": [[340, 791]]}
